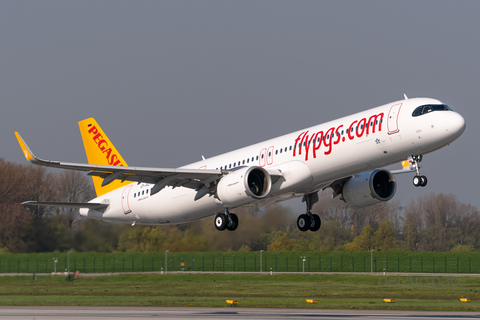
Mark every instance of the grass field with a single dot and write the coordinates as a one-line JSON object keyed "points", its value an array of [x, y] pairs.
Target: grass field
{"points": [[250, 290], [418, 262]]}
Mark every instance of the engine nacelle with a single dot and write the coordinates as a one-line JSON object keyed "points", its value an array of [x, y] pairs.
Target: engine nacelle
{"points": [[369, 188], [244, 186]]}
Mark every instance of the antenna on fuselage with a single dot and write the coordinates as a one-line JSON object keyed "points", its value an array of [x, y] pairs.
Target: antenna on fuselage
{"points": [[406, 98]]}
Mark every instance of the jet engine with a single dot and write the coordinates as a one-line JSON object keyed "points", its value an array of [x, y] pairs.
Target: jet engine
{"points": [[369, 188], [243, 186]]}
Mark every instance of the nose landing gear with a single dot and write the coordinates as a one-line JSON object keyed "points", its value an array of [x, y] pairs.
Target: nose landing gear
{"points": [[418, 180], [309, 221], [226, 220]]}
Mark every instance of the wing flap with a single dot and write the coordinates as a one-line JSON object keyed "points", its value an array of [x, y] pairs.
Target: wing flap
{"points": [[77, 205]]}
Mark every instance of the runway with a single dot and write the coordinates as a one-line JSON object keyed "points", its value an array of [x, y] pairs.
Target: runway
{"points": [[131, 313]]}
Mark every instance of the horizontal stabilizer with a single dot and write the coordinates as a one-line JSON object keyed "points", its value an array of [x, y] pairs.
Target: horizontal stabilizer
{"points": [[78, 205]]}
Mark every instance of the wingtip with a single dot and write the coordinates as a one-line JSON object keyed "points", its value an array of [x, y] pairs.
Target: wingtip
{"points": [[25, 149]]}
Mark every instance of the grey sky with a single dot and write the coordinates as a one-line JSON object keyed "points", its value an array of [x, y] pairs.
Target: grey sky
{"points": [[170, 81]]}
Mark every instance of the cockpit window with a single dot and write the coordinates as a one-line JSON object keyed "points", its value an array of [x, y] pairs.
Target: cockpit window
{"points": [[429, 108]]}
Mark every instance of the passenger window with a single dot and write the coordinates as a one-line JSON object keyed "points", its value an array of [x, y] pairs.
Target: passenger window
{"points": [[134, 195], [281, 150], [146, 191], [248, 160], [290, 148], [285, 149], [243, 162], [230, 166], [257, 157], [276, 151], [143, 192]]}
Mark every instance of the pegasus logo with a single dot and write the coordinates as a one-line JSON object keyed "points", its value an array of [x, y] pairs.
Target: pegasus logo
{"points": [[102, 144]]}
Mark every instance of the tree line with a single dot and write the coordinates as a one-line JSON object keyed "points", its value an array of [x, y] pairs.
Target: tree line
{"points": [[434, 222]]}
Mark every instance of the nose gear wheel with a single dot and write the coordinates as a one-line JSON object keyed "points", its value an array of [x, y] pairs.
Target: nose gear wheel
{"points": [[418, 180]]}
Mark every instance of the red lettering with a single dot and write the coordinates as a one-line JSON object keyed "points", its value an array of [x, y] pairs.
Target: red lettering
{"points": [[328, 138], [100, 143], [350, 136], [301, 143], [93, 130], [108, 152], [316, 143], [338, 134], [96, 137], [113, 159], [374, 118], [328, 141], [361, 126], [296, 141], [307, 147]]}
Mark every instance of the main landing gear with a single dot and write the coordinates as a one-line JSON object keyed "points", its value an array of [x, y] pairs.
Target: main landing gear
{"points": [[226, 220], [418, 180], [309, 221]]}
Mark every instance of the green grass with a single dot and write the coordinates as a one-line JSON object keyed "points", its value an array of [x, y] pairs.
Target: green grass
{"points": [[250, 290]]}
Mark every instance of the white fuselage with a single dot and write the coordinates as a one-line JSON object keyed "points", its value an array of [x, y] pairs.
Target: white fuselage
{"points": [[308, 160]]}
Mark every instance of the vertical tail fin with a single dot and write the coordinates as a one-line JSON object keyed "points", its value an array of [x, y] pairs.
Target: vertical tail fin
{"points": [[100, 151]]}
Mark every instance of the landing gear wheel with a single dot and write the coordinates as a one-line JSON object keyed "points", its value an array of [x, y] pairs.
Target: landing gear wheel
{"points": [[417, 181], [220, 221], [423, 181], [315, 222], [232, 226], [303, 222]]}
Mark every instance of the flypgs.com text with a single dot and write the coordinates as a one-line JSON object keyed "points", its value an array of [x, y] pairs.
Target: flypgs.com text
{"points": [[356, 130]]}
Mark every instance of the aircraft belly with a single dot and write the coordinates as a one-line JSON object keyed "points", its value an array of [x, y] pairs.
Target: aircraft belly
{"points": [[171, 206]]}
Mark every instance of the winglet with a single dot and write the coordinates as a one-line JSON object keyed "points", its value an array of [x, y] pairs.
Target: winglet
{"points": [[26, 150]]}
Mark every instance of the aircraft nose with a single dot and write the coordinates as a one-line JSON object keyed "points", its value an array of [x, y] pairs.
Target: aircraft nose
{"points": [[457, 124]]}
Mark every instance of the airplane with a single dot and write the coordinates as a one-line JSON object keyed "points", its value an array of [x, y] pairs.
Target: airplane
{"points": [[347, 155]]}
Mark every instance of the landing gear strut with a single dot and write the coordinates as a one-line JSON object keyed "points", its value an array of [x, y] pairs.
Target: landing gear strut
{"points": [[418, 180], [226, 220], [309, 221]]}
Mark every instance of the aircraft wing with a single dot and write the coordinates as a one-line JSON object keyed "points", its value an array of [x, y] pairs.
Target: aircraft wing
{"points": [[161, 177], [78, 205]]}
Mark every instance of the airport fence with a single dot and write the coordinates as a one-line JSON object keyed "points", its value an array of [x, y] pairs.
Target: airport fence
{"points": [[243, 262]]}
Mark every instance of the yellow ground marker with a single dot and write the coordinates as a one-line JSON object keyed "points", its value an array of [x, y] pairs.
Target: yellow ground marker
{"points": [[311, 301], [233, 303], [465, 300], [389, 300]]}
